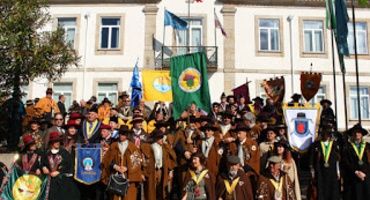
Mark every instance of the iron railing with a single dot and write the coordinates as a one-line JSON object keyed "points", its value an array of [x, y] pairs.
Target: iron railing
{"points": [[162, 59]]}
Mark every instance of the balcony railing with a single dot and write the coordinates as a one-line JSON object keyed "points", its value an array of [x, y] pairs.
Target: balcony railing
{"points": [[304, 3], [162, 59]]}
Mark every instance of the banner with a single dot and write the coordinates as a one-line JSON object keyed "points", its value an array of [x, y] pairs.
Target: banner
{"points": [[242, 91], [189, 81], [275, 89], [310, 84], [24, 186], [87, 165], [302, 125], [157, 85]]}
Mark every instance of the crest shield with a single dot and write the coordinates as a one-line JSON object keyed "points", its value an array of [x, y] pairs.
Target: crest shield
{"points": [[275, 89], [310, 84], [88, 160]]}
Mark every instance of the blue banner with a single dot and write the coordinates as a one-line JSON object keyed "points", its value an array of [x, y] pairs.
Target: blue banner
{"points": [[87, 166]]}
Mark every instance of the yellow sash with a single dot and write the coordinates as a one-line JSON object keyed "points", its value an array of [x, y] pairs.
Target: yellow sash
{"points": [[230, 189], [360, 153], [326, 150], [196, 179], [91, 130], [278, 185]]}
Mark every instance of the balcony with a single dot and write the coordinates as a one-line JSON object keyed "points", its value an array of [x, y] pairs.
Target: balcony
{"points": [[162, 60]]}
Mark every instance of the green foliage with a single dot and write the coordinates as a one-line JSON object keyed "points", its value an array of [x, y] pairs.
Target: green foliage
{"points": [[25, 51], [363, 2]]}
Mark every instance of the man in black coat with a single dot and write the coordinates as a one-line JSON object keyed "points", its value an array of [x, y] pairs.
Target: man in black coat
{"points": [[61, 105]]}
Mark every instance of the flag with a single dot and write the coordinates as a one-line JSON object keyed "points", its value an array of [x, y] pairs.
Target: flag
{"points": [[189, 81], [337, 19], [176, 22], [219, 25], [157, 85], [136, 87], [242, 91], [362, 2], [24, 186], [88, 162]]}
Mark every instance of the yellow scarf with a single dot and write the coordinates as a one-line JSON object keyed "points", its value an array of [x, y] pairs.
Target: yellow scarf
{"points": [[196, 179], [91, 130], [360, 153], [278, 185], [230, 188], [326, 150]]}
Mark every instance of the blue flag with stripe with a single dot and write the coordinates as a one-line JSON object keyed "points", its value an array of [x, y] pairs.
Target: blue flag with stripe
{"points": [[176, 22]]}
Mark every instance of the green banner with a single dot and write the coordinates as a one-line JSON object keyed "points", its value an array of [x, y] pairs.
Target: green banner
{"points": [[24, 186], [189, 82]]}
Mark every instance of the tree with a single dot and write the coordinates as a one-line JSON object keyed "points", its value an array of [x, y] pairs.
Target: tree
{"points": [[27, 52]]}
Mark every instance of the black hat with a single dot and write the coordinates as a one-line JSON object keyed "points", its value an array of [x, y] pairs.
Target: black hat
{"points": [[29, 102], [94, 109], [301, 115], [242, 127], [137, 119], [106, 100], [227, 114], [263, 118], [223, 95], [258, 99], [215, 104], [280, 126], [208, 126], [124, 130], [157, 134], [113, 119], [123, 94], [205, 118], [270, 128], [161, 123], [229, 97], [49, 91], [281, 143], [35, 121], [325, 101], [233, 160], [357, 128], [296, 97]]}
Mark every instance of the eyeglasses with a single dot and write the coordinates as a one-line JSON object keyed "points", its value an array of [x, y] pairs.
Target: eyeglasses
{"points": [[58, 119]]}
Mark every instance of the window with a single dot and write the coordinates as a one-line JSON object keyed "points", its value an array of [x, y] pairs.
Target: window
{"points": [[361, 34], [313, 36], [108, 90], [320, 95], [110, 32], [195, 36], [69, 26], [65, 89], [364, 102], [269, 36]]}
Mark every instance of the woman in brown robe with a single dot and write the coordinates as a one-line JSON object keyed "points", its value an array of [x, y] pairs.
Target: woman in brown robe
{"points": [[125, 158]]}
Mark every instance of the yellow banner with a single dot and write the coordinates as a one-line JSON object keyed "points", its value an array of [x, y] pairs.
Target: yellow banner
{"points": [[157, 85]]}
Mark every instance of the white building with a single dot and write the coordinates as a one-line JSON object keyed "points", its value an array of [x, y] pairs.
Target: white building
{"points": [[265, 38]]}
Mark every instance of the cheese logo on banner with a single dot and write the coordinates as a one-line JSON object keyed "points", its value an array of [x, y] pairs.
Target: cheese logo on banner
{"points": [[190, 80], [302, 123], [27, 187], [157, 85]]}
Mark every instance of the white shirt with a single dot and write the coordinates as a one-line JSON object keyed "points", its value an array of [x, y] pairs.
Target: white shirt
{"points": [[241, 152], [207, 145], [158, 155], [123, 146], [225, 128]]}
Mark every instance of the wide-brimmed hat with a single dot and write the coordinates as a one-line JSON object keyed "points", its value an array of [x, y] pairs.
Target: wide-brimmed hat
{"points": [[208, 126], [233, 160], [106, 100], [161, 123], [49, 91], [55, 137], [75, 115], [227, 114], [274, 159], [204, 118], [280, 126], [258, 99], [242, 127], [71, 123], [357, 128], [35, 121], [263, 118], [94, 108], [28, 139], [29, 102], [157, 134], [137, 119], [223, 95], [124, 130], [325, 101], [113, 119], [105, 126]]}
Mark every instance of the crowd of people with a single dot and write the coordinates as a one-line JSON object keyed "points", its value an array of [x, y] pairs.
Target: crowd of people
{"points": [[239, 150]]}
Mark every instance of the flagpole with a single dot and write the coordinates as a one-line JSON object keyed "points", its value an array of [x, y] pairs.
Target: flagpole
{"points": [[214, 15], [188, 32], [334, 80], [356, 61], [164, 39]]}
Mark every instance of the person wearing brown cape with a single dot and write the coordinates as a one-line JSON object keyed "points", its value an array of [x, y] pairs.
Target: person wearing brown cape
{"points": [[234, 184], [125, 158], [274, 183], [165, 160], [356, 165], [200, 184]]}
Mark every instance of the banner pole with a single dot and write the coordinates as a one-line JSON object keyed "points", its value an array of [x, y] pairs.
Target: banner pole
{"points": [[334, 80]]}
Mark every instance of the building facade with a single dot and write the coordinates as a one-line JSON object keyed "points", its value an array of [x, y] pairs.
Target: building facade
{"points": [[265, 39]]}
